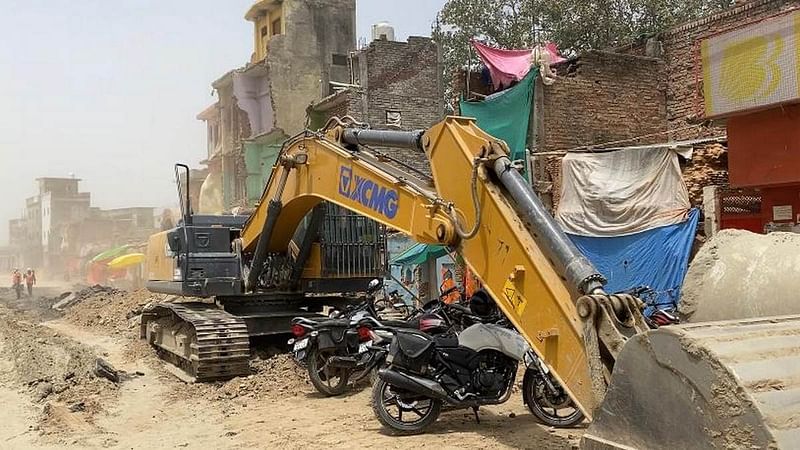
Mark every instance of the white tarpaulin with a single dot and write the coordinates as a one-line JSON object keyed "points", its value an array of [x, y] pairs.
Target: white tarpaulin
{"points": [[621, 192]]}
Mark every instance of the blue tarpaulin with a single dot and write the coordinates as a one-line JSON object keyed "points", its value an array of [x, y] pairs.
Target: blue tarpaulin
{"points": [[657, 258]]}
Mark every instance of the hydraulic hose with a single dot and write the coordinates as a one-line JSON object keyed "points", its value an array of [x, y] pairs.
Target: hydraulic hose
{"points": [[475, 204]]}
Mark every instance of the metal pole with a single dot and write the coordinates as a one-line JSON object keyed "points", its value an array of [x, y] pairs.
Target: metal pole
{"points": [[469, 70], [384, 138], [568, 260]]}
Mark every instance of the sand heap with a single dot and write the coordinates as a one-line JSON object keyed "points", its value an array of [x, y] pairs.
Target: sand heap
{"points": [[739, 274]]}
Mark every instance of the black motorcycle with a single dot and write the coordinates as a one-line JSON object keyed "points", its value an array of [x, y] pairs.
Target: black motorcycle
{"points": [[306, 331], [475, 368], [342, 352], [331, 350]]}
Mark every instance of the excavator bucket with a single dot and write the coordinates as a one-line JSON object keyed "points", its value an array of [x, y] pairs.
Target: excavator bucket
{"points": [[728, 384]]}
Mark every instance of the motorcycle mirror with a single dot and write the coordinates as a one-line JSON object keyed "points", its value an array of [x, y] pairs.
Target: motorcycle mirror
{"points": [[374, 285]]}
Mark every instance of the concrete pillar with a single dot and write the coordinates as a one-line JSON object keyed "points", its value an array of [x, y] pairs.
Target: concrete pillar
{"points": [[712, 208], [428, 284]]}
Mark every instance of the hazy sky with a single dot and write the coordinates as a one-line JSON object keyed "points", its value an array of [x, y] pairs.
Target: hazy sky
{"points": [[109, 90]]}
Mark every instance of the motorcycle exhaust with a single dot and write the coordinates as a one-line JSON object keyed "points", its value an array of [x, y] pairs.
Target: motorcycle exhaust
{"points": [[342, 362], [414, 383]]}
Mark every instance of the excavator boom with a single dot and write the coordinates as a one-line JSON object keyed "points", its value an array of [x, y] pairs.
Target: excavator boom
{"points": [[533, 278]]}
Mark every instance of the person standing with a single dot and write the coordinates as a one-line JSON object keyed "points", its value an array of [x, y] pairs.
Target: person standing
{"points": [[30, 280], [16, 282]]}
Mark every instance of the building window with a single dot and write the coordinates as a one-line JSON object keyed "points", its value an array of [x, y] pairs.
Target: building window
{"points": [[264, 31], [393, 118], [276, 26], [339, 60]]}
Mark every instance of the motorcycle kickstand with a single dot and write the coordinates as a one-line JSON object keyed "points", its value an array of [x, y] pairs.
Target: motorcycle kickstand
{"points": [[475, 411]]}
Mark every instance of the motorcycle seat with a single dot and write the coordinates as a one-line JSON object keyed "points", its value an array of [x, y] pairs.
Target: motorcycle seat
{"points": [[446, 341], [334, 323], [400, 324]]}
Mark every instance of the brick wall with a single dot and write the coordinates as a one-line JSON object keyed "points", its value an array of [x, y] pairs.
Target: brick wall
{"points": [[602, 97], [403, 76], [394, 76]]}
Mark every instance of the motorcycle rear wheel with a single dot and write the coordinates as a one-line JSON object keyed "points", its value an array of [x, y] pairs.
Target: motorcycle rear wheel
{"points": [[559, 412], [327, 380], [385, 401]]}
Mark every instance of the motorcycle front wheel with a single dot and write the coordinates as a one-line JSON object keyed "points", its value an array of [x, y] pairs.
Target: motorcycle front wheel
{"points": [[401, 414], [554, 409], [329, 381]]}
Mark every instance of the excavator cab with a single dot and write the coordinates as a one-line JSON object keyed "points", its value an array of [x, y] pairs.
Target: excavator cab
{"points": [[196, 258]]}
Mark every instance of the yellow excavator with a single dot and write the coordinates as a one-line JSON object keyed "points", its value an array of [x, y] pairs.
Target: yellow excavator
{"points": [[710, 385]]}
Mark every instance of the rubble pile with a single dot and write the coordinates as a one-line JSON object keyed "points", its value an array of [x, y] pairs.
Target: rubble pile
{"points": [[275, 377], [46, 362], [67, 299], [708, 167], [112, 310]]}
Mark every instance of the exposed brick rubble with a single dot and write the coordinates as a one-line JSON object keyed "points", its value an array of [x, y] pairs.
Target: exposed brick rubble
{"points": [[708, 167]]}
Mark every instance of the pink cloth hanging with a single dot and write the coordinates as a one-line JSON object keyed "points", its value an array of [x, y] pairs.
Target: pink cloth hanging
{"points": [[505, 66], [555, 57], [508, 66]]}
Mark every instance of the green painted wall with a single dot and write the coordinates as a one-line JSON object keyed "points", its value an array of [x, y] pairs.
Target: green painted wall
{"points": [[259, 159]]}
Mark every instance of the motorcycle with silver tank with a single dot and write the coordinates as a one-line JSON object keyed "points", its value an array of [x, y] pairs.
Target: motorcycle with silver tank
{"points": [[477, 367]]}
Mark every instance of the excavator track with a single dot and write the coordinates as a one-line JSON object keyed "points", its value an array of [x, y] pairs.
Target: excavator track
{"points": [[204, 342]]}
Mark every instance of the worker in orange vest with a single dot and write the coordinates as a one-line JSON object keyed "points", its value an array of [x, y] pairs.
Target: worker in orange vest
{"points": [[30, 280], [448, 288], [16, 282]]}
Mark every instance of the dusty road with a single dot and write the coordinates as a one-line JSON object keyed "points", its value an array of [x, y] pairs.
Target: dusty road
{"points": [[51, 399]]}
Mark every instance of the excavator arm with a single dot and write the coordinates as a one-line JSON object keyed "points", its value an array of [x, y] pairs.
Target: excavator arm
{"points": [[477, 202]]}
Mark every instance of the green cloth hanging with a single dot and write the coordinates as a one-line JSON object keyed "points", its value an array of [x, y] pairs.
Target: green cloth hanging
{"points": [[506, 115]]}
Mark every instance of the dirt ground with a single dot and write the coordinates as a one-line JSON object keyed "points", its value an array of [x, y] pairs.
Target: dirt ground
{"points": [[52, 399]]}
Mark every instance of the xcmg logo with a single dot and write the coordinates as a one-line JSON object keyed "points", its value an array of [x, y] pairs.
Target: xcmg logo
{"points": [[380, 199]]}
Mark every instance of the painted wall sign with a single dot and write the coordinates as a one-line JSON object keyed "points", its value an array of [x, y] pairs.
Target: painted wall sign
{"points": [[752, 67], [782, 212]]}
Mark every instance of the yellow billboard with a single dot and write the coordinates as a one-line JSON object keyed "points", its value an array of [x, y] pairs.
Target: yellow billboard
{"points": [[752, 67]]}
